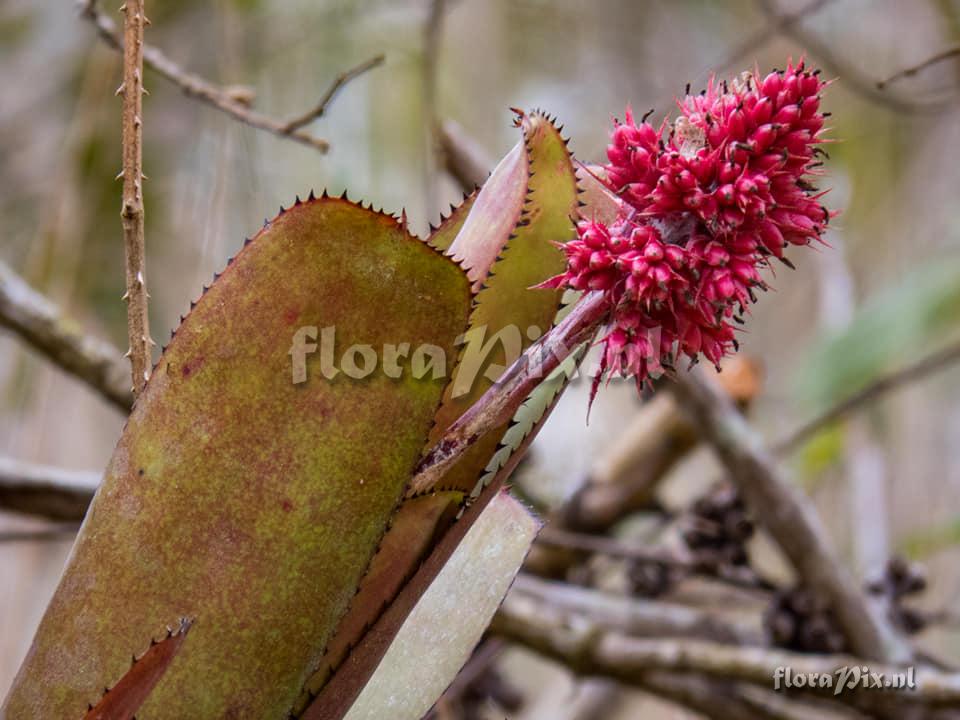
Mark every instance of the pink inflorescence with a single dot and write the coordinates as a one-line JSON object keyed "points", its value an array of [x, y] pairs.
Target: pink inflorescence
{"points": [[706, 202]]}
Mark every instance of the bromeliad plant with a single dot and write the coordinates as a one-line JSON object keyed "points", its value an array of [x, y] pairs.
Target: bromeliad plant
{"points": [[264, 549]]}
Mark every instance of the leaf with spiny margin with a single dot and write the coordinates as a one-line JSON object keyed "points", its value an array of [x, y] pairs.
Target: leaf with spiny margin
{"points": [[508, 306], [426, 654], [493, 216], [124, 699], [598, 201], [414, 529], [446, 232], [473, 235], [341, 692], [229, 493], [540, 166]]}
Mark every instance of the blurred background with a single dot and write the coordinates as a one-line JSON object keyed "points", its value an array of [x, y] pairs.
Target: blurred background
{"points": [[884, 295]]}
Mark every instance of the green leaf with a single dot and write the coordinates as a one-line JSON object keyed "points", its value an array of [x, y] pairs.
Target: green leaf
{"points": [[822, 452], [922, 544], [240, 499], [920, 310], [534, 184], [442, 236], [508, 306]]}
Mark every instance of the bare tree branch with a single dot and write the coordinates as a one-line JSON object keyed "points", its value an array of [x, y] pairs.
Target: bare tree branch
{"points": [[591, 650], [40, 323], [636, 616], [919, 67], [479, 663], [463, 157], [558, 537], [51, 534], [777, 23], [234, 101], [789, 518], [47, 491], [849, 75], [723, 700], [131, 213], [338, 83], [911, 373]]}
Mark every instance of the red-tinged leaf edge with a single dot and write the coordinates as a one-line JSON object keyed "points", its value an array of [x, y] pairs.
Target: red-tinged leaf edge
{"points": [[336, 697], [124, 699]]}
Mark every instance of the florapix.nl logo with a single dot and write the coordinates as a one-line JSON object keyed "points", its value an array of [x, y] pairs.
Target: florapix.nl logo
{"points": [[483, 354]]}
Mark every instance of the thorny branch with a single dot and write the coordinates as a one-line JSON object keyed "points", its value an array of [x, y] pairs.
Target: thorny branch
{"points": [[40, 324], [234, 101], [131, 214]]}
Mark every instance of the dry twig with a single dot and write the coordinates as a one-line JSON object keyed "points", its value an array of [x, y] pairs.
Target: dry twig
{"points": [[40, 324], [591, 650], [338, 84], [724, 700], [234, 101], [789, 518], [636, 616], [463, 157], [624, 478], [40, 490], [848, 74], [52, 534], [911, 373], [919, 67], [553, 536], [131, 214]]}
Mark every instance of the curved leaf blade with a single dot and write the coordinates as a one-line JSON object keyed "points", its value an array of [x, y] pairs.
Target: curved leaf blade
{"points": [[227, 495]]}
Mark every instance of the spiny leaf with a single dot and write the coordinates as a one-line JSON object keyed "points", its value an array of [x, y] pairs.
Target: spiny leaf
{"points": [[241, 499], [446, 232], [340, 693], [494, 214], [473, 235], [530, 257], [406, 543], [597, 201], [124, 699], [447, 622], [509, 306]]}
